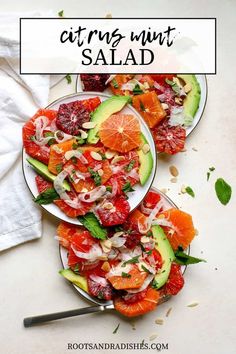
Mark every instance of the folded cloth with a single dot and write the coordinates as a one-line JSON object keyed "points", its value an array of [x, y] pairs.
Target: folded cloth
{"points": [[20, 97]]}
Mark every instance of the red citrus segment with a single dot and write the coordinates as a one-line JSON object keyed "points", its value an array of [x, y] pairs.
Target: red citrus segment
{"points": [[150, 108], [57, 155], [65, 231], [101, 290], [42, 184], [115, 216], [140, 307], [72, 212], [169, 139], [183, 230], [117, 82], [175, 281], [40, 153], [94, 82], [161, 78], [151, 200], [120, 132], [72, 115], [137, 218], [135, 280]]}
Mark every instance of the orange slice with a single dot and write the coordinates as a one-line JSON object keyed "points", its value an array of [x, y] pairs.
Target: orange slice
{"points": [[183, 230], [117, 83], [135, 280], [120, 132], [137, 218], [139, 307], [65, 231], [150, 108], [56, 157]]}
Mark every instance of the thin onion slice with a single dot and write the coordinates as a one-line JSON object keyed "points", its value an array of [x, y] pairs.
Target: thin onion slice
{"points": [[93, 195], [65, 136], [100, 280], [144, 229], [92, 255]]}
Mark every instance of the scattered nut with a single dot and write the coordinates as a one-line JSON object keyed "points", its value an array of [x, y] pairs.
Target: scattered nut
{"points": [[194, 304], [164, 190], [196, 232], [159, 321], [106, 267], [108, 15], [177, 82], [84, 190], [100, 172], [103, 257], [117, 159], [108, 205], [183, 189], [178, 100], [165, 106], [194, 149], [187, 88], [83, 134], [145, 239], [110, 154], [173, 180], [174, 171], [106, 245], [96, 156], [89, 125], [168, 311], [153, 336], [145, 148]]}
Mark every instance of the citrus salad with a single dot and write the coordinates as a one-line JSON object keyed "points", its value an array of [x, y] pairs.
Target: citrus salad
{"points": [[88, 157], [136, 264], [168, 103]]}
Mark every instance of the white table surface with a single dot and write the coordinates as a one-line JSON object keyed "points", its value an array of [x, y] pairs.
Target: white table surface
{"points": [[30, 283]]}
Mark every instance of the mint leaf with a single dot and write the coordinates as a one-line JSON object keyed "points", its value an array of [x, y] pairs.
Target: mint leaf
{"points": [[127, 187], [184, 259], [190, 191], [116, 329], [59, 167], [61, 13], [211, 169], [115, 84], [68, 78], [93, 226], [137, 90], [223, 191], [47, 197], [131, 261], [173, 85], [125, 275], [97, 179], [129, 167], [142, 107], [145, 269]]}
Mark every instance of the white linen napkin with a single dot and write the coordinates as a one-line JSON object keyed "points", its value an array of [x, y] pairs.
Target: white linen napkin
{"points": [[20, 97]]}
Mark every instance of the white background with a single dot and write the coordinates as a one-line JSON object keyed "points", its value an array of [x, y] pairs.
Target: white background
{"points": [[30, 284]]}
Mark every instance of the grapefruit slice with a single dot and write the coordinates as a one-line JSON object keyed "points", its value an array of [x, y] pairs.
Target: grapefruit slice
{"points": [[134, 280], [150, 108], [183, 230], [120, 132], [40, 153], [140, 307], [57, 155]]}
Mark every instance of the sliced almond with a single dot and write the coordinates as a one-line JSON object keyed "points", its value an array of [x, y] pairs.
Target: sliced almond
{"points": [[146, 148], [165, 106], [177, 82], [89, 125], [152, 337], [164, 190], [108, 205], [108, 15], [106, 245], [96, 156], [183, 189], [178, 100], [194, 149], [110, 154], [57, 149], [145, 239], [196, 232], [174, 171], [187, 88], [83, 134], [173, 180], [193, 304], [106, 267], [103, 257], [117, 159], [159, 321], [168, 311], [118, 234], [100, 172]]}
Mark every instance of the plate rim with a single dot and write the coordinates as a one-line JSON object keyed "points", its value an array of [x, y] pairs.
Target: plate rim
{"points": [[188, 133], [155, 159], [92, 299]]}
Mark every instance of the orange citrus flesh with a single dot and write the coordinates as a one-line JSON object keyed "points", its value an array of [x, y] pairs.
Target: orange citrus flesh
{"points": [[117, 83], [140, 307], [57, 152], [135, 280], [120, 132], [65, 231], [136, 217], [150, 108], [183, 230]]}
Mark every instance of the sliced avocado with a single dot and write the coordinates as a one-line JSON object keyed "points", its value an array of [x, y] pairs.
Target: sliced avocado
{"points": [[146, 162], [44, 172], [163, 246], [105, 110], [192, 100], [76, 279]]}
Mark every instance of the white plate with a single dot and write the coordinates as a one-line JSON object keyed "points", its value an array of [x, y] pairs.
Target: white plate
{"points": [[203, 85], [168, 203], [135, 198]]}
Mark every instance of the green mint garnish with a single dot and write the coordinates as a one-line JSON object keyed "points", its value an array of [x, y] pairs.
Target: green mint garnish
{"points": [[68, 78], [115, 84], [223, 191], [97, 179], [190, 191]]}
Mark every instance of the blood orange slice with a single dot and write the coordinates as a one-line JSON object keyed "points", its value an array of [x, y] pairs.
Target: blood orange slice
{"points": [[40, 153], [94, 82], [120, 132], [150, 108], [136, 218], [133, 280], [140, 307], [42, 184], [65, 231], [57, 155], [182, 231], [117, 214], [175, 281]]}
